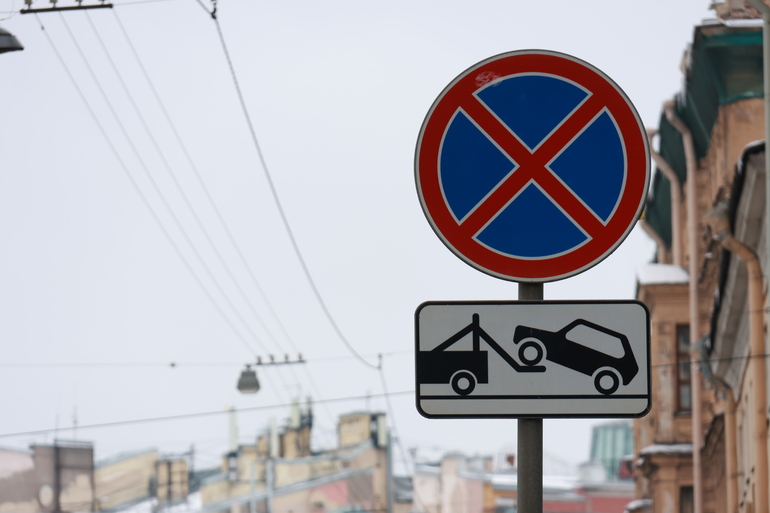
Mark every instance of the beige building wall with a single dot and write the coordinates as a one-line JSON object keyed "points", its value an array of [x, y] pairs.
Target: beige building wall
{"points": [[675, 472], [355, 474], [125, 478], [715, 473], [47, 478], [354, 428], [746, 446], [427, 490], [172, 480], [663, 477], [17, 492], [668, 306]]}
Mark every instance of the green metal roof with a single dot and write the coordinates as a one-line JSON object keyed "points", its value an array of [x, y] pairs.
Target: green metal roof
{"points": [[725, 66]]}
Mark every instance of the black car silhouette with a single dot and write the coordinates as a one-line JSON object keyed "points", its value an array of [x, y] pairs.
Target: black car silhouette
{"points": [[557, 347]]}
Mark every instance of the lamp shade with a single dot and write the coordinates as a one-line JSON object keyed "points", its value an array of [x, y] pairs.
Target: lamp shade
{"points": [[8, 42], [248, 382]]}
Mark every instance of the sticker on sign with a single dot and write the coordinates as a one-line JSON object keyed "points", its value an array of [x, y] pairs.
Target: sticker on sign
{"points": [[539, 359]]}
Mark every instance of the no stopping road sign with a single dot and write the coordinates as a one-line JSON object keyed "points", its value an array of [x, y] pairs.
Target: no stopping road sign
{"points": [[532, 166]]}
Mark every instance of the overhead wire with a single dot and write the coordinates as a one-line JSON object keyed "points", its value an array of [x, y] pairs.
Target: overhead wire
{"points": [[139, 191], [177, 185], [212, 204], [276, 199], [167, 234], [168, 207], [192, 415], [392, 416], [219, 216], [308, 362], [218, 213], [159, 192], [305, 362], [215, 209], [202, 183], [174, 364]]}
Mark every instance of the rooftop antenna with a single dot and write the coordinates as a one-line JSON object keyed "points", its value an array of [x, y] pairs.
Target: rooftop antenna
{"points": [[233, 429]]}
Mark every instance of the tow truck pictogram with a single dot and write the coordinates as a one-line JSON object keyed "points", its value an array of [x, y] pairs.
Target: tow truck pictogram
{"points": [[463, 369]]}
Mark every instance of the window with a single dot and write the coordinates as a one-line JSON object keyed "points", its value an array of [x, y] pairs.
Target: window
{"points": [[686, 500], [683, 388]]}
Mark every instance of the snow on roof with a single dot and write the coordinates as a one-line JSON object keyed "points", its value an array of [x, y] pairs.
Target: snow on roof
{"points": [[14, 449], [638, 505], [115, 458], [552, 483], [193, 502], [655, 274], [666, 449], [427, 468], [747, 23]]}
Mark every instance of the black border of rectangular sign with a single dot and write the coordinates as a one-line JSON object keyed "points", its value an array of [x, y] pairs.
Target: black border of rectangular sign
{"points": [[520, 416]]}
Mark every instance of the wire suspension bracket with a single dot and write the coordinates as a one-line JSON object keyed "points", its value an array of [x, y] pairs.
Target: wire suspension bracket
{"points": [[54, 8]]}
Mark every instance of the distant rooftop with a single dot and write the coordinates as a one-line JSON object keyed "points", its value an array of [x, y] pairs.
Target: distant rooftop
{"points": [[659, 274], [15, 449], [670, 449], [121, 456]]}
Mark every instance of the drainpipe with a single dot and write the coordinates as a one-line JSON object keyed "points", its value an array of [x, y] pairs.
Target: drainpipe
{"points": [[731, 448], [695, 334], [765, 10], [726, 405], [718, 220], [676, 200], [659, 242]]}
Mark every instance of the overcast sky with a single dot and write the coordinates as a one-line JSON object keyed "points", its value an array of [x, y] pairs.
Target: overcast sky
{"points": [[95, 301]]}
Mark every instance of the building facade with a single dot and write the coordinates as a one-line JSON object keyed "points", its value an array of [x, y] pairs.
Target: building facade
{"points": [[703, 446], [54, 478], [281, 473]]}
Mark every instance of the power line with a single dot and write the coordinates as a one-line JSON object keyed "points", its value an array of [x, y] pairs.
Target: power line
{"points": [[138, 190], [216, 210], [188, 203], [155, 185], [196, 415], [144, 198], [392, 416], [174, 364], [326, 359], [276, 200], [175, 180], [202, 183]]}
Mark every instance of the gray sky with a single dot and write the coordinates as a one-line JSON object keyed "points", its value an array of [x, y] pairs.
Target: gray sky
{"points": [[337, 92]]}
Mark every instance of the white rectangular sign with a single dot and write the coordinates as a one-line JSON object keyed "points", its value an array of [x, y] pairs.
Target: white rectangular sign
{"points": [[532, 359]]}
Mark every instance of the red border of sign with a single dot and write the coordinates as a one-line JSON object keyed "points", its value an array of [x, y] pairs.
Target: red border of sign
{"points": [[531, 270]]}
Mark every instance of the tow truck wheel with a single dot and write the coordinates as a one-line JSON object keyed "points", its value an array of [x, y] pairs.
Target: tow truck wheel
{"points": [[530, 344], [606, 381], [463, 382]]}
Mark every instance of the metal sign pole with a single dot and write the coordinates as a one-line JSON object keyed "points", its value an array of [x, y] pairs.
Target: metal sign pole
{"points": [[530, 439]]}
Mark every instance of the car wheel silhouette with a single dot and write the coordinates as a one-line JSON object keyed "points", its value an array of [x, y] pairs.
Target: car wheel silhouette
{"points": [[526, 357], [463, 382], [606, 381]]}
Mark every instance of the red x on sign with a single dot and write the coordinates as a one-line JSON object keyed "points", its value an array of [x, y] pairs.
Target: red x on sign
{"points": [[532, 166]]}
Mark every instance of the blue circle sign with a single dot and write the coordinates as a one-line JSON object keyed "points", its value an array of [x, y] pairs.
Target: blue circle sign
{"points": [[532, 166]]}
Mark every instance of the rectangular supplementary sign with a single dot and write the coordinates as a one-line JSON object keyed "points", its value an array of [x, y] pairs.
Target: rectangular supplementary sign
{"points": [[510, 359]]}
